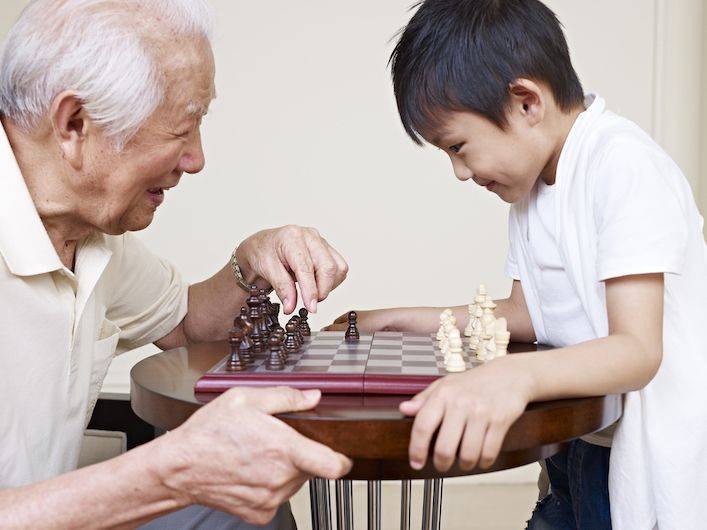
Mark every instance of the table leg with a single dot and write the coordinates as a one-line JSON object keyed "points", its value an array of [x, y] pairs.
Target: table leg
{"points": [[374, 505], [344, 503], [405, 491], [324, 504], [437, 485], [314, 503], [427, 505]]}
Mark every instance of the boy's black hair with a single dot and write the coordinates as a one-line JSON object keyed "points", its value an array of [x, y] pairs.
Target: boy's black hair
{"points": [[462, 55]]}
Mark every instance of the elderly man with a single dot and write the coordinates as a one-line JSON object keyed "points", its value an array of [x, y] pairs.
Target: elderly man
{"points": [[101, 106]]}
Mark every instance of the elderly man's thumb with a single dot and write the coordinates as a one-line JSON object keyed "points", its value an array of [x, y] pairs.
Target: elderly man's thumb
{"points": [[283, 399]]}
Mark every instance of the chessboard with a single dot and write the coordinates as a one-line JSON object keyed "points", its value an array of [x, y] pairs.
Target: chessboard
{"points": [[388, 363]]}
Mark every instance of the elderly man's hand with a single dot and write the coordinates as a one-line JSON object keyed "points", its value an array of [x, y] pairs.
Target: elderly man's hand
{"points": [[281, 256], [234, 456]]}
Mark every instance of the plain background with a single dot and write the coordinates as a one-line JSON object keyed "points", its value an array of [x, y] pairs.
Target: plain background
{"points": [[305, 131]]}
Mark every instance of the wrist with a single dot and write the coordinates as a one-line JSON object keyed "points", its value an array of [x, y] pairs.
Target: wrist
{"points": [[246, 271], [171, 468], [523, 375]]}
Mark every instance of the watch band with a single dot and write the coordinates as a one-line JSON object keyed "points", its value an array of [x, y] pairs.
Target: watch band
{"points": [[239, 275]]}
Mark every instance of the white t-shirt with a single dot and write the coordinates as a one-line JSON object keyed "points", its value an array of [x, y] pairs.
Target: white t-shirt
{"points": [[623, 207], [564, 320], [60, 329]]}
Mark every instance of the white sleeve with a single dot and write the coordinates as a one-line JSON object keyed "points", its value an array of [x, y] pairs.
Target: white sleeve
{"points": [[511, 268], [149, 299], [640, 224]]}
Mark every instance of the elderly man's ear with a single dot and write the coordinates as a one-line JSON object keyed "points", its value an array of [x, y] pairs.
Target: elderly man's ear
{"points": [[70, 123]]}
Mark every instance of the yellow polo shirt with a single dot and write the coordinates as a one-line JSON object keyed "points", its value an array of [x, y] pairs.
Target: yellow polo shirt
{"points": [[60, 329]]}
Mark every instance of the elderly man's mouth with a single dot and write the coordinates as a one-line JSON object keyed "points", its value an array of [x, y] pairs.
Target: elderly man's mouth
{"points": [[156, 195]]}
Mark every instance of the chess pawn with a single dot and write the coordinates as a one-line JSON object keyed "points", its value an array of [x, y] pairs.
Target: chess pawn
{"points": [[442, 319], [300, 339], [503, 337], [275, 313], [455, 360], [452, 338], [275, 361], [304, 328], [488, 317], [280, 334], [352, 334], [235, 363], [291, 345]]}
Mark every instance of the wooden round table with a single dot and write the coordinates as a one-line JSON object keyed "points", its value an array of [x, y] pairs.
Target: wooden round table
{"points": [[368, 429]]}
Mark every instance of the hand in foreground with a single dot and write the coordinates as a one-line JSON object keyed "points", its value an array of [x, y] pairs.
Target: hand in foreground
{"points": [[367, 321], [234, 456], [281, 256], [473, 411]]}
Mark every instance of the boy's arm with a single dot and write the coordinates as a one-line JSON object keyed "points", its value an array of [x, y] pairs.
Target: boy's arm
{"points": [[426, 319], [473, 410]]}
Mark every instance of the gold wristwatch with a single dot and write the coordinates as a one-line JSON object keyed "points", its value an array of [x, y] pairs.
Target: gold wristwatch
{"points": [[239, 275]]}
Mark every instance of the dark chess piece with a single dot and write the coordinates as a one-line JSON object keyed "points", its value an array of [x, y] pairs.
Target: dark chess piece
{"points": [[275, 361], [235, 362], [254, 315], [247, 344], [297, 321], [265, 308], [280, 334], [352, 334], [304, 328], [291, 345], [275, 313], [264, 322]]}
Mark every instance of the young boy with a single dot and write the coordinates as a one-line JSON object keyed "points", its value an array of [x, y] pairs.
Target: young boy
{"points": [[607, 258]]}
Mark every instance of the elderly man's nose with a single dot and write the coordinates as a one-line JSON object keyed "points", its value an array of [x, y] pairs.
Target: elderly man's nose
{"points": [[193, 160]]}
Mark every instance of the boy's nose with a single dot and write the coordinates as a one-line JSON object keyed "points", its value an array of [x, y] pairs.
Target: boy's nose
{"points": [[462, 172]]}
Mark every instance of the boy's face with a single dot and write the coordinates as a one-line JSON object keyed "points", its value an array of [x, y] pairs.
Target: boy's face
{"points": [[506, 161]]}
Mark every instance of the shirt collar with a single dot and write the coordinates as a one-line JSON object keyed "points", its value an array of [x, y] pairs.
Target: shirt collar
{"points": [[24, 242]]}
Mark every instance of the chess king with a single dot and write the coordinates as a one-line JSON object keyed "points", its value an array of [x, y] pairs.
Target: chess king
{"points": [[101, 108]]}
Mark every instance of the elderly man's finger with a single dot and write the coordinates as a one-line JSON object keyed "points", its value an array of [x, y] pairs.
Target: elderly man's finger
{"points": [[326, 269], [318, 460], [283, 283], [300, 263], [284, 399], [343, 267]]}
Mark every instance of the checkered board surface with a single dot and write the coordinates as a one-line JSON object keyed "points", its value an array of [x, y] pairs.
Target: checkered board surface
{"points": [[382, 363]]}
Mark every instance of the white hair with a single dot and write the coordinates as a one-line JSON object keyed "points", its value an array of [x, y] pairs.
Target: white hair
{"points": [[101, 49]]}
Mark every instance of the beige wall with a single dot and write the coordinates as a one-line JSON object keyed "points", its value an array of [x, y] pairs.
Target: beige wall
{"points": [[305, 131]]}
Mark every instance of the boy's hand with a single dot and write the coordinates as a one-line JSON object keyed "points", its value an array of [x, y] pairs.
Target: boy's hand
{"points": [[368, 321], [473, 411]]}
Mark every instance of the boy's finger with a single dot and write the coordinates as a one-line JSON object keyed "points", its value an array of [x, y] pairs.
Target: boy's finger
{"points": [[424, 426], [492, 444], [410, 408], [450, 434], [470, 448]]}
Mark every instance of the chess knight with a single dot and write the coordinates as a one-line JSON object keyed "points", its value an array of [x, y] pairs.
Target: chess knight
{"points": [[101, 110]]}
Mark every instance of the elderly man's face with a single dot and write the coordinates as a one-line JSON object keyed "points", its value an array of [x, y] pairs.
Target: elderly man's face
{"points": [[122, 191]]}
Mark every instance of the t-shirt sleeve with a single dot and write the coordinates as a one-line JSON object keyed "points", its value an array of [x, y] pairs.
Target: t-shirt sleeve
{"points": [[511, 269], [149, 299], [640, 224]]}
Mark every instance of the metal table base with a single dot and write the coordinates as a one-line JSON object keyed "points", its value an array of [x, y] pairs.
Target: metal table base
{"points": [[320, 504]]}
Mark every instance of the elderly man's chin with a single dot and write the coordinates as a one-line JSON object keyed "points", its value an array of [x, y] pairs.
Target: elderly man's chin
{"points": [[136, 218]]}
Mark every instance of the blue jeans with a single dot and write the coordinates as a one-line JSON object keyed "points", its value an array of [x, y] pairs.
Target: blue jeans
{"points": [[579, 490]]}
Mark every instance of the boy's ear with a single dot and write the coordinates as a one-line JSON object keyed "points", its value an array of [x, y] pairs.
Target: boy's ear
{"points": [[70, 124], [527, 100]]}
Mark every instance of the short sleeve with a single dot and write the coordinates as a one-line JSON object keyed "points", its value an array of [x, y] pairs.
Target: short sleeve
{"points": [[641, 227], [149, 298], [511, 269]]}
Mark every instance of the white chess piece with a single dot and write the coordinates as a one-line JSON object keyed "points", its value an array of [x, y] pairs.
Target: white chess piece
{"points": [[442, 320], [490, 336], [503, 337], [452, 337], [481, 291], [477, 329], [488, 317], [469, 330], [447, 330], [455, 360]]}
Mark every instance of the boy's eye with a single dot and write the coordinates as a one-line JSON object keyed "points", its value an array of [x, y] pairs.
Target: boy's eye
{"points": [[456, 148]]}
